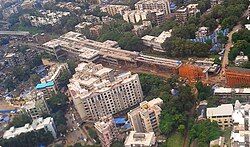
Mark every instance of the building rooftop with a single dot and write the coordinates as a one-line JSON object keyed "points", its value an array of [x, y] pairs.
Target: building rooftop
{"points": [[223, 90], [36, 125], [91, 78], [222, 110], [45, 85], [141, 139], [238, 69]]}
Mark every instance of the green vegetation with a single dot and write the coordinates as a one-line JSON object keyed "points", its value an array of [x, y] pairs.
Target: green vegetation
{"points": [[117, 144], [241, 41], [175, 140], [153, 86], [30, 139], [20, 120], [203, 90], [176, 108], [177, 47], [57, 102], [63, 80], [204, 132], [228, 14], [60, 121], [120, 31]]}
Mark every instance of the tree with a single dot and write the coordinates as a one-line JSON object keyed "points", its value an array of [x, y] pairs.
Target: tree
{"points": [[185, 31], [203, 91], [205, 131], [72, 65], [21, 120], [63, 80], [203, 5], [60, 121], [57, 102], [222, 39], [9, 84], [29, 139], [242, 34], [22, 73], [35, 79]]}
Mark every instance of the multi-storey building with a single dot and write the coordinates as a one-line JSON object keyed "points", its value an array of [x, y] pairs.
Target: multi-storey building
{"points": [[54, 73], [160, 5], [232, 92], [156, 42], [47, 88], [140, 139], [237, 77], [98, 91], [106, 130], [37, 107], [215, 2], [240, 136], [46, 124], [135, 16], [140, 30], [146, 117], [221, 114], [182, 14], [83, 27], [88, 50], [115, 9]]}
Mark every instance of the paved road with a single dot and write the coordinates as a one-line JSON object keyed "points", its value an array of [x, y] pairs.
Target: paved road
{"points": [[227, 48]]}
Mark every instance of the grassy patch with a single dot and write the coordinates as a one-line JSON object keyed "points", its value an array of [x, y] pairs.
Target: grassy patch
{"points": [[176, 140]]}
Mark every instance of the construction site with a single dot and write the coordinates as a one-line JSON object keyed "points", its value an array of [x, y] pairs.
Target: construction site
{"points": [[107, 53]]}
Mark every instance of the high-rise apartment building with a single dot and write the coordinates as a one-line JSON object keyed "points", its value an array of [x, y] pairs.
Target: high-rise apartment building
{"points": [[98, 91], [160, 5], [146, 117], [115, 9], [37, 107], [182, 14], [106, 130]]}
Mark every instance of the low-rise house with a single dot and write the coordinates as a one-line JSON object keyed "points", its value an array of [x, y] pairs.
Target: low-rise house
{"points": [[241, 59], [192, 9], [202, 32], [140, 139], [221, 114], [215, 2], [46, 124]]}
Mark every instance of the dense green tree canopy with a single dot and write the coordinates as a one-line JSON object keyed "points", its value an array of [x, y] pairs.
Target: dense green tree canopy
{"points": [[205, 131]]}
